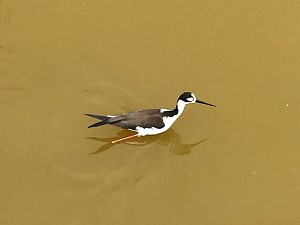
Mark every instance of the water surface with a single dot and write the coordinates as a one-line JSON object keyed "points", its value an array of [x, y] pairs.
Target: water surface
{"points": [[237, 163]]}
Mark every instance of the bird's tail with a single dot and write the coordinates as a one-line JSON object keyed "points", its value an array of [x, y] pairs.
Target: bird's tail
{"points": [[99, 117]]}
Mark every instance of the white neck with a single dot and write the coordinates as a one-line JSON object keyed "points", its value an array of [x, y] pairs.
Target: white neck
{"points": [[180, 106]]}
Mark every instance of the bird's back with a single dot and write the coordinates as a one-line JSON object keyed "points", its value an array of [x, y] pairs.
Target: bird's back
{"points": [[143, 118]]}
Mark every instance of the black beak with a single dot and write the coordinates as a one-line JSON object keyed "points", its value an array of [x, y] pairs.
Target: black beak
{"points": [[205, 103]]}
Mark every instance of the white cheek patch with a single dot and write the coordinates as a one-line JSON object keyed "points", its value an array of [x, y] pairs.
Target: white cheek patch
{"points": [[190, 99]]}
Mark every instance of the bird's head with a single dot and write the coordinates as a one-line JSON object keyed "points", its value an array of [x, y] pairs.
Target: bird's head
{"points": [[189, 97]]}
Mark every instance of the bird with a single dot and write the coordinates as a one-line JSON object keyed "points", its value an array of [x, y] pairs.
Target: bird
{"points": [[147, 121]]}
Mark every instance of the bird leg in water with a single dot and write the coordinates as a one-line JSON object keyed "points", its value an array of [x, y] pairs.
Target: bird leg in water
{"points": [[124, 138]]}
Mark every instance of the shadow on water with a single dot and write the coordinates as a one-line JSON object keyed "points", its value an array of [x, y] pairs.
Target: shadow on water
{"points": [[171, 138]]}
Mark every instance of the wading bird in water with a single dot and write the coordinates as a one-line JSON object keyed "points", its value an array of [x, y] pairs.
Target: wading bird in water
{"points": [[148, 121]]}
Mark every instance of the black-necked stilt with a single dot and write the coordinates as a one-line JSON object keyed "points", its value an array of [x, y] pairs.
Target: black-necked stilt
{"points": [[148, 121]]}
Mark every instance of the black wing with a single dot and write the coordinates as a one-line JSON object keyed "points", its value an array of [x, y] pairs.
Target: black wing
{"points": [[144, 118]]}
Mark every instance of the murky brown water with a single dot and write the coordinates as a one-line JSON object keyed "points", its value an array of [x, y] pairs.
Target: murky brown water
{"points": [[234, 164]]}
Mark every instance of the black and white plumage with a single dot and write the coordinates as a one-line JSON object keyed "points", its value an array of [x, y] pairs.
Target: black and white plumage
{"points": [[148, 121]]}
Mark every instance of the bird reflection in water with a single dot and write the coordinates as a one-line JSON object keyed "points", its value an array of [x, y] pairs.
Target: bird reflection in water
{"points": [[170, 137]]}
